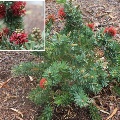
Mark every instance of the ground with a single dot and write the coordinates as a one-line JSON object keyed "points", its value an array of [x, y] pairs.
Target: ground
{"points": [[13, 95], [34, 16], [14, 104]]}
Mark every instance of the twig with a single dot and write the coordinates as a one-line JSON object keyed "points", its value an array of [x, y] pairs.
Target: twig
{"points": [[104, 111], [113, 113], [15, 110], [101, 109], [1, 86]]}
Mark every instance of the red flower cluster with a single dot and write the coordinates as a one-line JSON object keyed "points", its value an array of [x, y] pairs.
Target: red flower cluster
{"points": [[5, 31], [91, 26], [61, 13], [42, 82], [18, 8], [18, 38], [51, 17], [2, 11], [111, 31]]}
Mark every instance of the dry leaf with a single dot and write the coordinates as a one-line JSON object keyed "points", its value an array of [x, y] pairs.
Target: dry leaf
{"points": [[31, 78], [17, 111], [113, 113]]}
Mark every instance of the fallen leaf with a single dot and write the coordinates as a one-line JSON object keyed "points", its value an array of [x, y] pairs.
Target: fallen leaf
{"points": [[31, 78], [113, 113], [17, 111]]}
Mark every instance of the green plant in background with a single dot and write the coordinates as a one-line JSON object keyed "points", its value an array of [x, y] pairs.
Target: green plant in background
{"points": [[12, 34], [77, 63]]}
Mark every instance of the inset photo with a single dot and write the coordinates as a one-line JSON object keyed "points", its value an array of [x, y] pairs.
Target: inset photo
{"points": [[22, 25]]}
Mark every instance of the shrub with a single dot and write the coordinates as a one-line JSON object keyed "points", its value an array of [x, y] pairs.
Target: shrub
{"points": [[78, 63]]}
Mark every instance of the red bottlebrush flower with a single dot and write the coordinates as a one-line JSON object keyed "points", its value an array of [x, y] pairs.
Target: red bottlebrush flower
{"points": [[5, 31], [18, 38], [51, 17], [18, 8], [61, 13], [111, 31], [42, 82], [91, 26], [106, 30], [2, 11]]}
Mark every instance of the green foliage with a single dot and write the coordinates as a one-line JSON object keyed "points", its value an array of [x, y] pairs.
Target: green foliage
{"points": [[80, 97], [73, 18], [115, 73], [62, 99], [38, 96], [116, 89], [110, 47], [57, 73], [47, 113], [60, 1], [29, 68], [94, 112]]}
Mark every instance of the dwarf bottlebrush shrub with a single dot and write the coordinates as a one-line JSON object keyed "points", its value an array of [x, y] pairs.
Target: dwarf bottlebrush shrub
{"points": [[78, 62], [13, 36], [12, 14]]}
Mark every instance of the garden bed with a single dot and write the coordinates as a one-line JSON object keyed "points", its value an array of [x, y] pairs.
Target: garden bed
{"points": [[15, 105]]}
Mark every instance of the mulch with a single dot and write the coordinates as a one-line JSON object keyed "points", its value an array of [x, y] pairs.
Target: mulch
{"points": [[14, 104]]}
